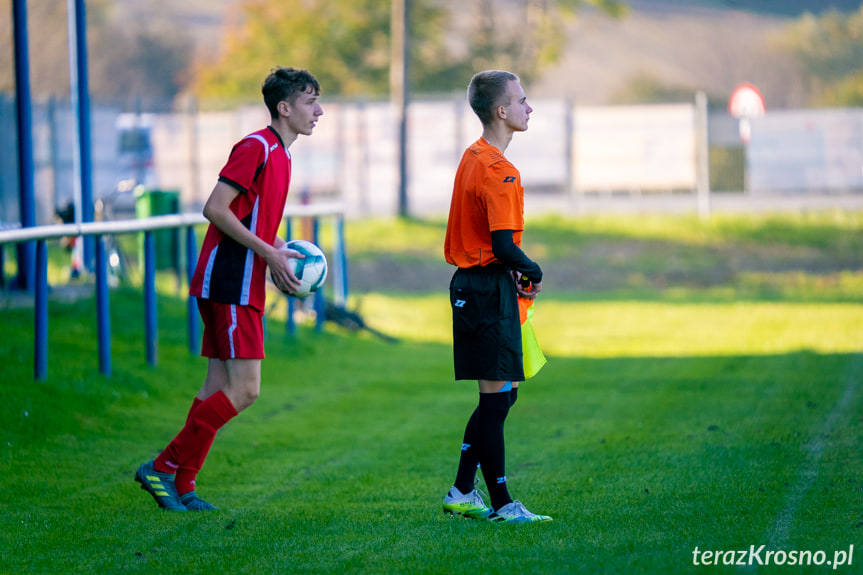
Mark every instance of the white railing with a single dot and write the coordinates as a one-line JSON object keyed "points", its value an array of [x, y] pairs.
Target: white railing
{"points": [[40, 234]]}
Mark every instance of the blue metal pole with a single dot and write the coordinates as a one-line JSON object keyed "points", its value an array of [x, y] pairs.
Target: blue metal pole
{"points": [[40, 356], [343, 258], [151, 318], [25, 250], [102, 310], [193, 327], [290, 325], [320, 299], [84, 125]]}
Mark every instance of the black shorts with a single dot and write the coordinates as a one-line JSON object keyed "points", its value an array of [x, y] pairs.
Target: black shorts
{"points": [[486, 328]]}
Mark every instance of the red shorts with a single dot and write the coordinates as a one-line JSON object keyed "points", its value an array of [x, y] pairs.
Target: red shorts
{"points": [[231, 331]]}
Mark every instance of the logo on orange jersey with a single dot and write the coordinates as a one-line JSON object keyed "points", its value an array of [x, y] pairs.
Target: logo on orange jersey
{"points": [[508, 179]]}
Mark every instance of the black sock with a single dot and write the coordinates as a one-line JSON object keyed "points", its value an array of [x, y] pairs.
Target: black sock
{"points": [[491, 414], [468, 461]]}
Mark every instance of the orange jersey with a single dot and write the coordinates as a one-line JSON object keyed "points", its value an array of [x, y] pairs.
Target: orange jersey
{"points": [[487, 196]]}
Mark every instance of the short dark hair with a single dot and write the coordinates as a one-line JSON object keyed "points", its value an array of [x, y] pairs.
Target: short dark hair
{"points": [[286, 84], [486, 91]]}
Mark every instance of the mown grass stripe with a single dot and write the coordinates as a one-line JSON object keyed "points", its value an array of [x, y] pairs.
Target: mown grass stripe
{"points": [[780, 531]]}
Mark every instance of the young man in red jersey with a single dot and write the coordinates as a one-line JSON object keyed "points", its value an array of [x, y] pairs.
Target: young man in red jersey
{"points": [[483, 238], [245, 210]]}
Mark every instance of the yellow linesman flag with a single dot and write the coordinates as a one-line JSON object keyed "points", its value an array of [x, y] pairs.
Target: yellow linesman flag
{"points": [[532, 355]]}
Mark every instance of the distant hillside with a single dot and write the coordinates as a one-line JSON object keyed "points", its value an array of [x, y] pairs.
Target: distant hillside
{"points": [[780, 7], [202, 19], [690, 45]]}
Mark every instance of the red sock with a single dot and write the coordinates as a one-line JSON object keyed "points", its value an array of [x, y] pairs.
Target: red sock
{"points": [[187, 473], [189, 449], [195, 403], [183, 476]]}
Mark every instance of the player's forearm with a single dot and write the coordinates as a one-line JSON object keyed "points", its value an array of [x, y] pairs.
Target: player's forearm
{"points": [[512, 256], [222, 217]]}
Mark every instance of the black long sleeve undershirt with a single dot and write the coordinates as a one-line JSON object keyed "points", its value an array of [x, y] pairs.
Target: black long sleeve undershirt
{"points": [[511, 255]]}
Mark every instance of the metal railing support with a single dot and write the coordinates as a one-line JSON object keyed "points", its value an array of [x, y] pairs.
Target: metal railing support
{"points": [[150, 315], [103, 312], [193, 327], [340, 273], [97, 230], [40, 356], [290, 324], [320, 302]]}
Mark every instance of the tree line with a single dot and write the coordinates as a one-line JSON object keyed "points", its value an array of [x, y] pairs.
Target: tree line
{"points": [[346, 43]]}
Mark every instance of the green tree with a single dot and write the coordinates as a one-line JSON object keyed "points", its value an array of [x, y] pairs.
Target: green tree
{"points": [[346, 43], [829, 50]]}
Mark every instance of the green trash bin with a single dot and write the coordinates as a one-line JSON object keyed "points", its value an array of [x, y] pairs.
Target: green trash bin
{"points": [[159, 203]]}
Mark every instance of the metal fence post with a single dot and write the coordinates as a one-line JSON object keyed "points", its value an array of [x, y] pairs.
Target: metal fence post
{"points": [[150, 314], [40, 359], [570, 154], [192, 325], [320, 298], [702, 155], [340, 271], [26, 193], [102, 309], [290, 324]]}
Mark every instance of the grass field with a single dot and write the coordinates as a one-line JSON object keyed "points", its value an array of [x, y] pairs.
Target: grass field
{"points": [[703, 391]]}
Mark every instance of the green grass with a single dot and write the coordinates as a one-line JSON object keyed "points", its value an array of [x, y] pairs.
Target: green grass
{"points": [[711, 415], [793, 257]]}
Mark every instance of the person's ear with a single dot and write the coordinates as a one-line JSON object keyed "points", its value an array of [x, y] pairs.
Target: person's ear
{"points": [[284, 108]]}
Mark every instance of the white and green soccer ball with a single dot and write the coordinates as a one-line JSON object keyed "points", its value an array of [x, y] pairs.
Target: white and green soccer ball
{"points": [[310, 270]]}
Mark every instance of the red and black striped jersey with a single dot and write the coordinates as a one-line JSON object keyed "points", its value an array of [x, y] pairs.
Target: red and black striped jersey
{"points": [[259, 167]]}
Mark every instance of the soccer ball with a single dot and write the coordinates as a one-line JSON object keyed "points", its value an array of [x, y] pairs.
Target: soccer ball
{"points": [[310, 270]]}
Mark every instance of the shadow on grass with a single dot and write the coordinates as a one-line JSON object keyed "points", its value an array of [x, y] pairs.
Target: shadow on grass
{"points": [[343, 461]]}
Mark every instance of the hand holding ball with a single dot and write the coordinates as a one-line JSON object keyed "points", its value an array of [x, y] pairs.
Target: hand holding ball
{"points": [[311, 270]]}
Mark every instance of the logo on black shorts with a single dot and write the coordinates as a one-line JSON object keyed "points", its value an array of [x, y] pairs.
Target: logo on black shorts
{"points": [[459, 303]]}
